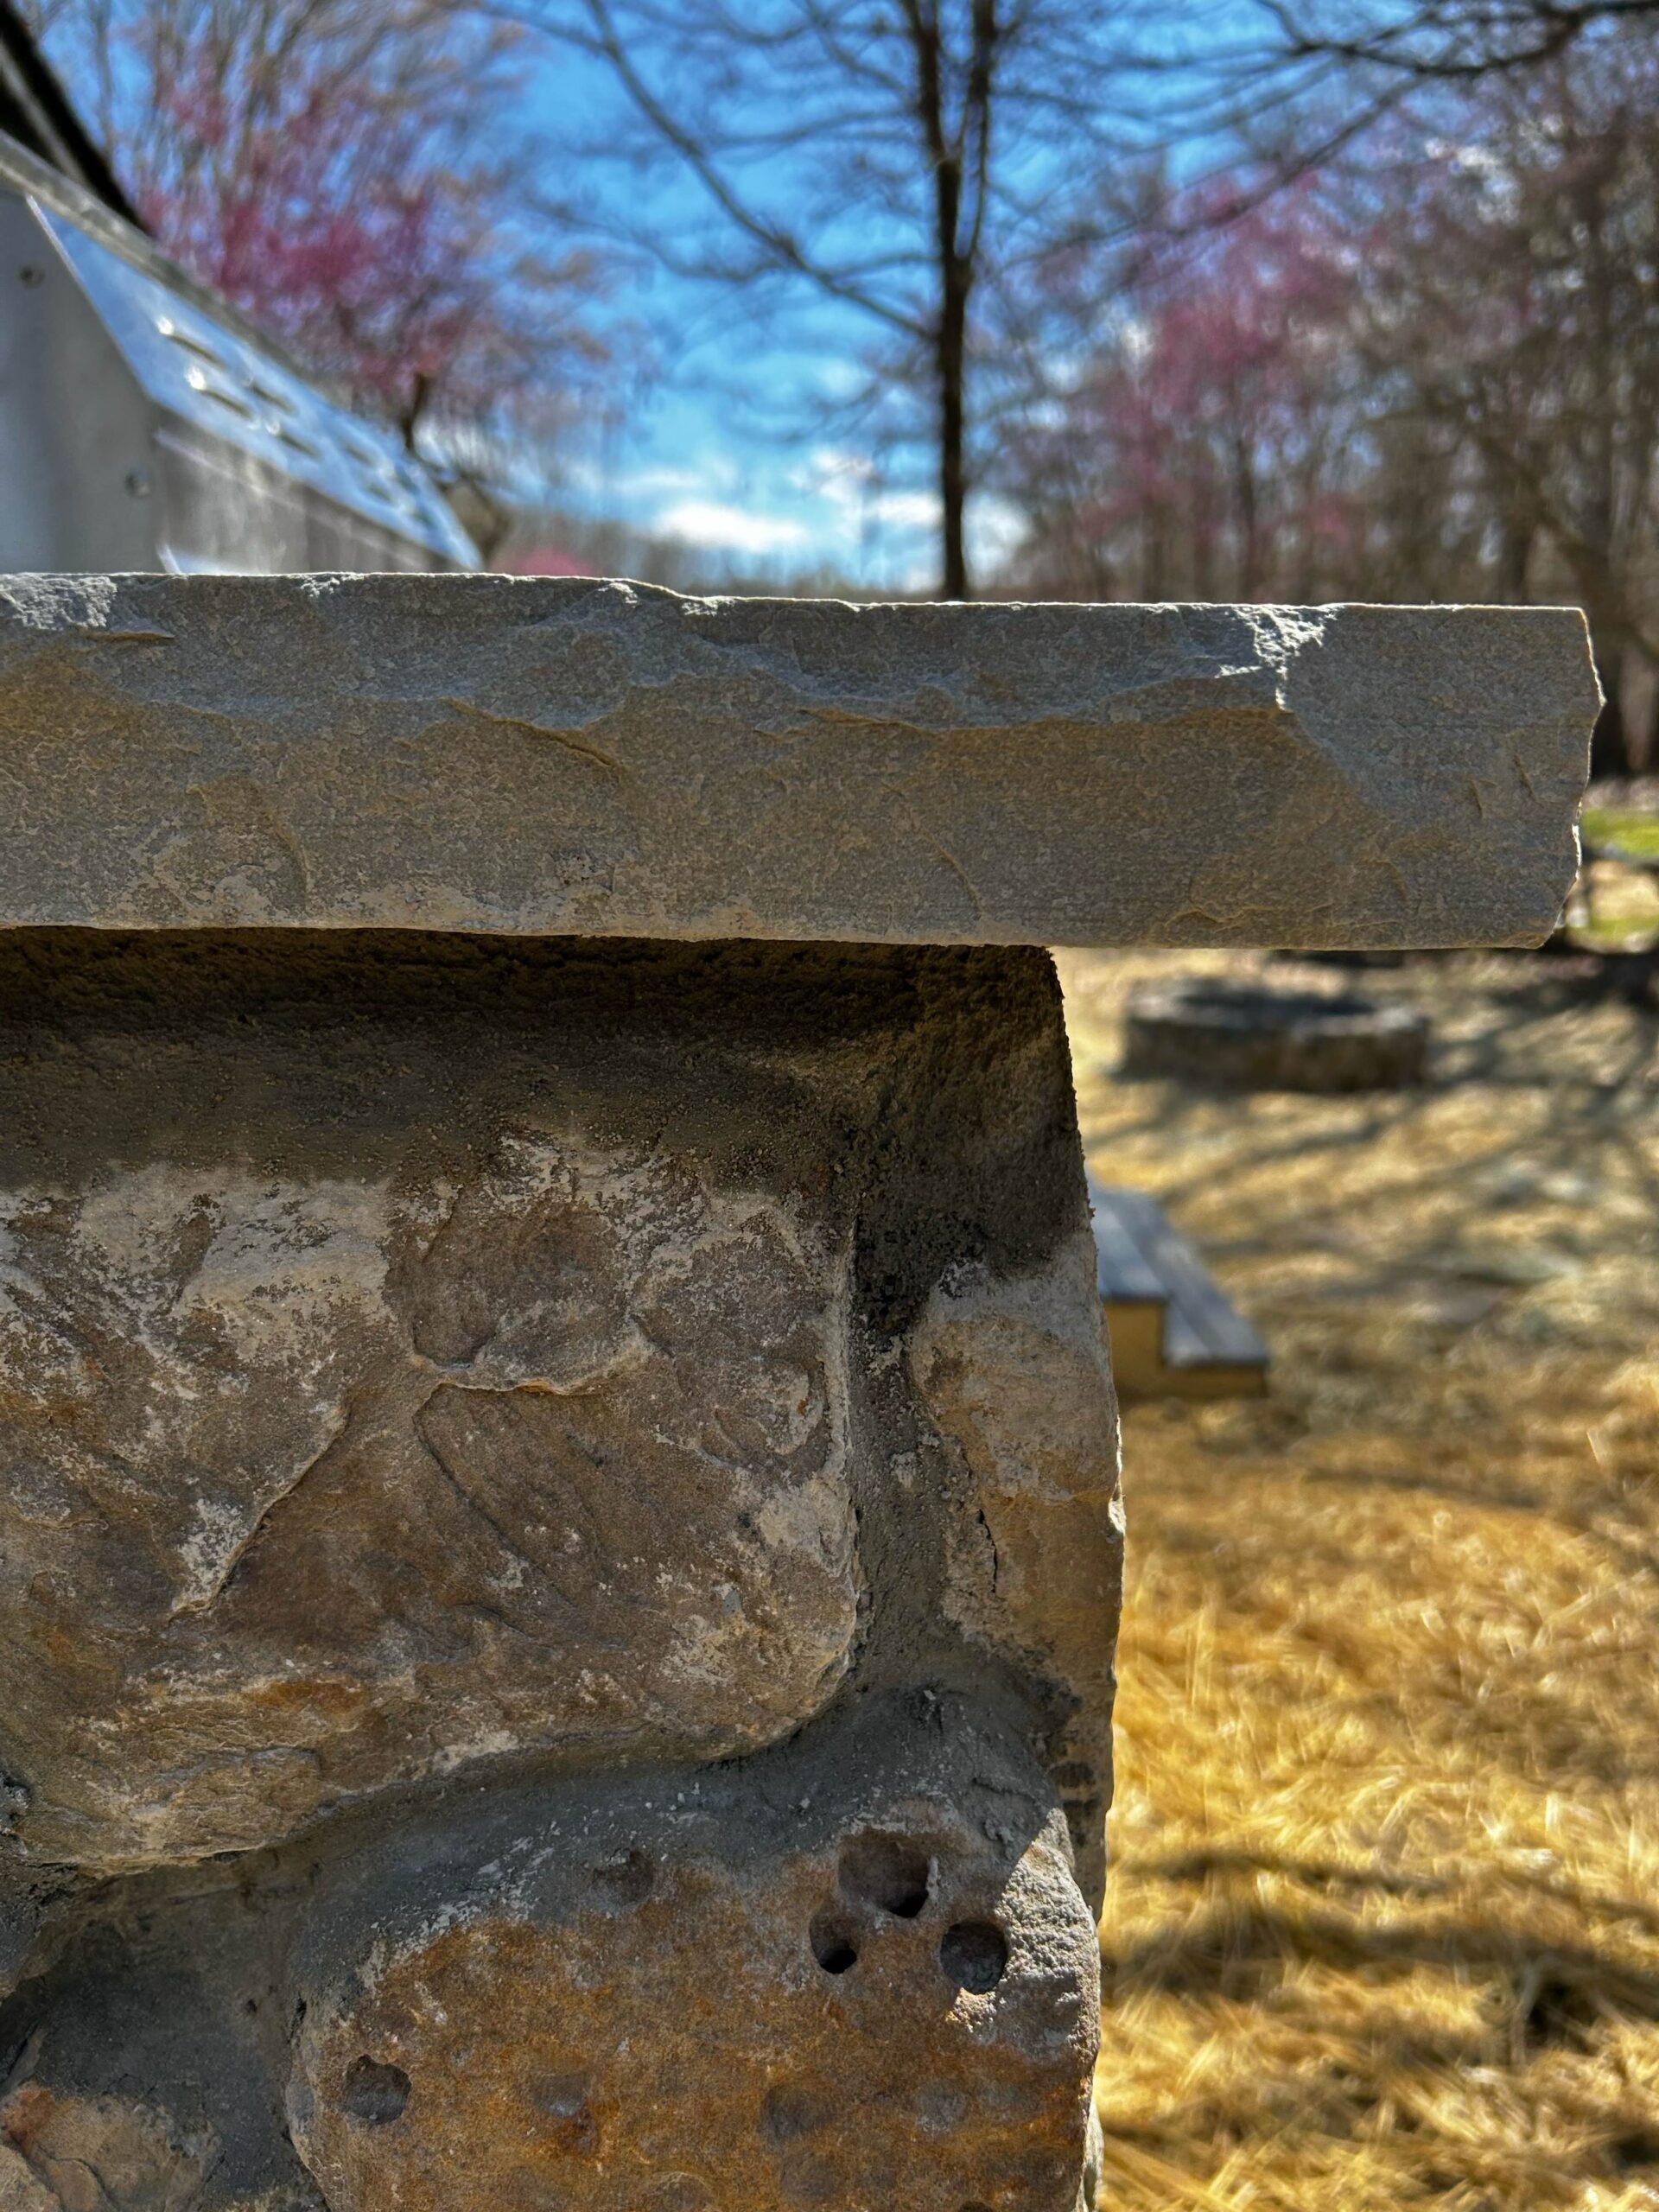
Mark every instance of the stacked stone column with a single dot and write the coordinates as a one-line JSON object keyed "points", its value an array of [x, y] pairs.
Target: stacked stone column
{"points": [[559, 1528]]}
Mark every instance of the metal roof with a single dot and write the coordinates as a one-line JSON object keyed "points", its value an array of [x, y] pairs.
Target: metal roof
{"points": [[200, 362], [202, 370]]}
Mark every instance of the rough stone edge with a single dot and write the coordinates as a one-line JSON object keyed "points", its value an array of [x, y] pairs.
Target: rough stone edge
{"points": [[999, 772]]}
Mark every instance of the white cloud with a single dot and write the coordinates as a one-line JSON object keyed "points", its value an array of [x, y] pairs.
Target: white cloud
{"points": [[834, 475], [907, 510], [850, 483], [917, 579], [738, 530], [996, 528], [659, 483]]}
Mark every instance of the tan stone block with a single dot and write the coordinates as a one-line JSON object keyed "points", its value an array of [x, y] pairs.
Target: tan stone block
{"points": [[93, 2154], [465, 1352], [508, 753], [866, 1982], [335, 1456], [142, 2066], [1013, 1372]]}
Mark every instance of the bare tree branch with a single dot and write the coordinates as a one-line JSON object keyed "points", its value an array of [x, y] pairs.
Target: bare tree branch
{"points": [[890, 157]]}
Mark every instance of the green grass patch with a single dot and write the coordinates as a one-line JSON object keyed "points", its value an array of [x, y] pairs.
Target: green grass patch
{"points": [[1623, 826], [1615, 933]]}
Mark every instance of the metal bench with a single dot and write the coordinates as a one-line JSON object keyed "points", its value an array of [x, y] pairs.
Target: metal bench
{"points": [[1171, 1330]]}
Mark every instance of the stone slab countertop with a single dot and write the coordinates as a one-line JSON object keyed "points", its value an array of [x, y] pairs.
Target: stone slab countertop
{"points": [[598, 758]]}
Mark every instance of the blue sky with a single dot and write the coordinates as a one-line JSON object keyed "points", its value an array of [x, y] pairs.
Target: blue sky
{"points": [[691, 457], [684, 464], [692, 447]]}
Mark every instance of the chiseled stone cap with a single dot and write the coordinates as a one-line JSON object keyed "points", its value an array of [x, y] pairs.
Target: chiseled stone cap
{"points": [[598, 758]]}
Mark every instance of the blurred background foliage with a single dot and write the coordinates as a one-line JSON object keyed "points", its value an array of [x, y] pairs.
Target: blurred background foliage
{"points": [[1096, 298]]}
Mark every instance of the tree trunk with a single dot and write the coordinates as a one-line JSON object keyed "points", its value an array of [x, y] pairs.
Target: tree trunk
{"points": [[1609, 643], [953, 486], [956, 275], [1610, 750], [1514, 562], [1249, 516]]}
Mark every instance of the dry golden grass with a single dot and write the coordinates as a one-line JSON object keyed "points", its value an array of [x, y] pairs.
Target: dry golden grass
{"points": [[1383, 1920]]}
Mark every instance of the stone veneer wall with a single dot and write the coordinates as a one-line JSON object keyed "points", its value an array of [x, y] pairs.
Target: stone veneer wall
{"points": [[559, 1533], [559, 1555]]}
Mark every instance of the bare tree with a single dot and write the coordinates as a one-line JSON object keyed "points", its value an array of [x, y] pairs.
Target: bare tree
{"points": [[1440, 41], [1211, 440], [1517, 300], [343, 170], [893, 160], [1523, 257], [1433, 372]]}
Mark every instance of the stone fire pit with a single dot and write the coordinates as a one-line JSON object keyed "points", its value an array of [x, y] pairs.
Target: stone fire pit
{"points": [[1252, 1037], [559, 1532]]}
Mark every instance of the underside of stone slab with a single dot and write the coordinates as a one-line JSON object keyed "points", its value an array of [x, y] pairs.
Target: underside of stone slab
{"points": [[532, 756]]}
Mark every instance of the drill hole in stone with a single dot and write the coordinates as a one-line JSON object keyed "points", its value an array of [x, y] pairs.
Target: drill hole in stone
{"points": [[833, 1944], [625, 1882], [885, 1870], [375, 2094], [975, 1954]]}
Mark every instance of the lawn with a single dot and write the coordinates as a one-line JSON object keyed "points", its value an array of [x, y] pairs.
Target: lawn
{"points": [[1633, 830], [1383, 1920]]}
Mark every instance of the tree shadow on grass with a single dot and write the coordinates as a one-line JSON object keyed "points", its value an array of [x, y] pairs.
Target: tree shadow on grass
{"points": [[1189, 1867], [1240, 1948]]}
